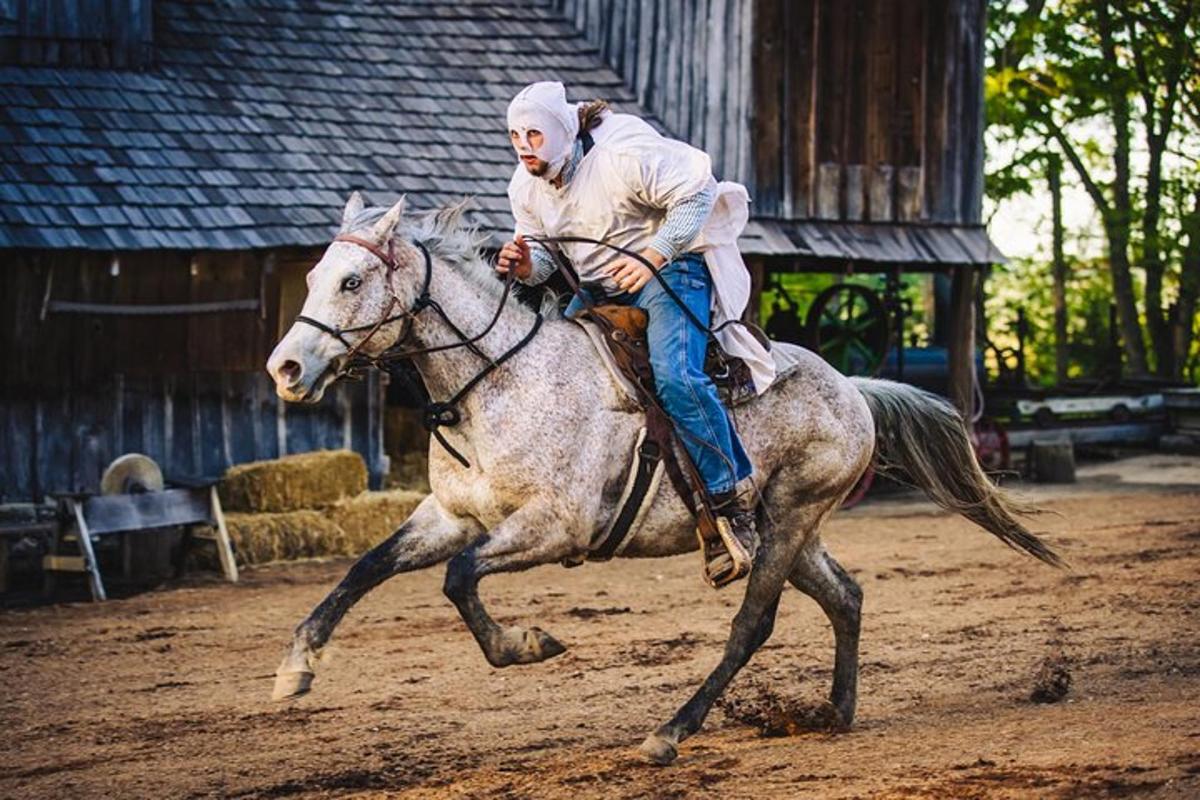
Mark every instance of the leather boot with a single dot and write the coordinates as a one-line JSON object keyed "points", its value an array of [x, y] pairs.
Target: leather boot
{"points": [[739, 540]]}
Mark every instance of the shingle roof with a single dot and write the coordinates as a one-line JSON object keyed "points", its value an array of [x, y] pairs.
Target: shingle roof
{"points": [[260, 117]]}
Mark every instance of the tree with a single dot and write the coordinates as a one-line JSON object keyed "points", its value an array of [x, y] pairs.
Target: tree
{"points": [[1112, 86]]}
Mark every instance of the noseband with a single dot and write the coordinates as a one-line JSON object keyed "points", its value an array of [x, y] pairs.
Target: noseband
{"points": [[436, 414]]}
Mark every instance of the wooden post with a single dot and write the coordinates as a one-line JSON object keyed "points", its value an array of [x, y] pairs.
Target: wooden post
{"points": [[89, 556], [961, 345], [224, 547]]}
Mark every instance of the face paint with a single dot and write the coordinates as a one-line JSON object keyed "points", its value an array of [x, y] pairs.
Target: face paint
{"points": [[543, 108]]}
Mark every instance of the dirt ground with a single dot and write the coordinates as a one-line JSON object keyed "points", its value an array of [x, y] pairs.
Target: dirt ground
{"points": [[167, 694]]}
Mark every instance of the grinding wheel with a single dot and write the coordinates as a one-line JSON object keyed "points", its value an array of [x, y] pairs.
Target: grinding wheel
{"points": [[132, 473]]}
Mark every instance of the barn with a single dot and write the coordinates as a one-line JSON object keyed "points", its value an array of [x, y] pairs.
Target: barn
{"points": [[169, 170]]}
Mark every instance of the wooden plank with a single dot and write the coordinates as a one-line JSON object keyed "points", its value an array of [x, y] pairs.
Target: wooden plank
{"points": [[151, 310], [224, 544], [855, 192], [770, 108], [939, 69], [881, 184], [743, 169], [56, 563], [909, 106], [89, 555], [829, 181], [643, 19], [802, 22], [833, 69], [670, 85], [116, 513], [910, 188], [854, 79], [881, 80]]}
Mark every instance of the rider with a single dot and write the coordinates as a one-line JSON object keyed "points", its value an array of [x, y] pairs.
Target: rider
{"points": [[586, 171]]}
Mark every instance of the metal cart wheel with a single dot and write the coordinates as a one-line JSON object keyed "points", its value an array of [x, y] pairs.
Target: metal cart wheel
{"points": [[848, 326]]}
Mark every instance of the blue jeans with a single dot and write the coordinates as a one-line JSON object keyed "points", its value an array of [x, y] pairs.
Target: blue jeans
{"points": [[677, 350]]}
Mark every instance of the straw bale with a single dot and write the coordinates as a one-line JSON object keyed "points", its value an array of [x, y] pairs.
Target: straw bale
{"points": [[302, 481], [371, 517], [259, 538]]}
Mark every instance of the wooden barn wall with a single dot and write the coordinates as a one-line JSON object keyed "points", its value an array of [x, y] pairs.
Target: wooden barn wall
{"points": [[78, 390], [868, 109], [689, 63]]}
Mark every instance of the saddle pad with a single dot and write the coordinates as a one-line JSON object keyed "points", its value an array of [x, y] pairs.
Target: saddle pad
{"points": [[597, 336]]}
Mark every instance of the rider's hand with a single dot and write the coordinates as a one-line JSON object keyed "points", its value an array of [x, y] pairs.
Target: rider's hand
{"points": [[515, 256], [631, 274]]}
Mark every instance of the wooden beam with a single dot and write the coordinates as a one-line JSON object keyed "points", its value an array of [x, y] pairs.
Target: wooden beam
{"points": [[224, 545], [962, 339], [145, 310], [89, 556]]}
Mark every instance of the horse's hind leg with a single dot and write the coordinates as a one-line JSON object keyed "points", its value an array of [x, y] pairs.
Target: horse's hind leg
{"points": [[428, 537], [530, 537], [823, 579], [751, 628]]}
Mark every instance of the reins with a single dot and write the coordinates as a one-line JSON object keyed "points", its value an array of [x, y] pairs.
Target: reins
{"points": [[435, 414]]}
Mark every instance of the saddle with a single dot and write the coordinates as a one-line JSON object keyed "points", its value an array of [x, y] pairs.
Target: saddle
{"points": [[624, 332]]}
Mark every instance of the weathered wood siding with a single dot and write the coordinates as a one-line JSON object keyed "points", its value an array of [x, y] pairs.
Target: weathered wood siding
{"points": [[78, 390], [688, 62], [868, 110], [826, 109], [114, 34]]}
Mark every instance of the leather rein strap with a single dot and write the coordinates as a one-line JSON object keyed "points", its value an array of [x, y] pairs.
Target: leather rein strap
{"points": [[435, 414]]}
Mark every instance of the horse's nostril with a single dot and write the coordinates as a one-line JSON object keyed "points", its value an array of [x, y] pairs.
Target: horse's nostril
{"points": [[290, 370]]}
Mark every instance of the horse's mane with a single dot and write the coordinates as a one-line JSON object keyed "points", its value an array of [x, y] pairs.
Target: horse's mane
{"points": [[447, 237]]}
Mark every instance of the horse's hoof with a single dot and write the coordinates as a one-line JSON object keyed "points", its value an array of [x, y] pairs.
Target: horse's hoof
{"points": [[545, 646], [291, 684], [523, 646], [658, 750]]}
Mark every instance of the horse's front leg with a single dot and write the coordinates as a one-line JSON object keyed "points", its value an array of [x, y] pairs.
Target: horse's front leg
{"points": [[428, 537], [532, 536]]}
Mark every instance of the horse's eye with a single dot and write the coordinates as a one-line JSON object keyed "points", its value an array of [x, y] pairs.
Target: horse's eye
{"points": [[351, 283]]}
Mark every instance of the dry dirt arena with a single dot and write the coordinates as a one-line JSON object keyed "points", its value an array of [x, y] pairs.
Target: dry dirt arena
{"points": [[165, 695]]}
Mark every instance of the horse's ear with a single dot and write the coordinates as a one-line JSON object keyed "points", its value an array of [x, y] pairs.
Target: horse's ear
{"points": [[354, 207], [387, 224], [448, 219]]}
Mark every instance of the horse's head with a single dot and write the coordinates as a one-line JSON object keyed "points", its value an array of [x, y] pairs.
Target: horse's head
{"points": [[349, 290]]}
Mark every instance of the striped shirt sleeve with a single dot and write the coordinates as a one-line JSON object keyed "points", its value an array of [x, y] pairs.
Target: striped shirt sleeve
{"points": [[683, 223]]}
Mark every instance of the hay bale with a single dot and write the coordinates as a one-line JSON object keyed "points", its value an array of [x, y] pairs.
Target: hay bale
{"points": [[292, 483], [371, 517], [260, 538]]}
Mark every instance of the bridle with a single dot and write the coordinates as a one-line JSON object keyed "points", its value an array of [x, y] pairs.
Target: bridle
{"points": [[436, 414]]}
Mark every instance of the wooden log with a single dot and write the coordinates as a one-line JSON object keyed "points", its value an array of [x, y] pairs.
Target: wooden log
{"points": [[1053, 461], [829, 180]]}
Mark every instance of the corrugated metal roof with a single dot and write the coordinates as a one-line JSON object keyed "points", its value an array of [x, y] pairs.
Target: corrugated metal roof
{"points": [[260, 118], [883, 243]]}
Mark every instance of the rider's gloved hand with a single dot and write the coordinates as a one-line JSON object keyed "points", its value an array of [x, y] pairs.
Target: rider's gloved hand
{"points": [[515, 256]]}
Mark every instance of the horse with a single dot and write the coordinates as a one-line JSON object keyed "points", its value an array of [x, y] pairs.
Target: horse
{"points": [[541, 442]]}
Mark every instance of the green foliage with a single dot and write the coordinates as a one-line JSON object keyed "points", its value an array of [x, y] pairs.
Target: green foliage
{"points": [[1025, 284], [1113, 88]]}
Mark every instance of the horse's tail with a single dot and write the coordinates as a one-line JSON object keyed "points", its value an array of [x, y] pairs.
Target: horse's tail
{"points": [[922, 439]]}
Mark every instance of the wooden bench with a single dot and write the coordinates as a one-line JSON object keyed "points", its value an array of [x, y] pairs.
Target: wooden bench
{"points": [[104, 515]]}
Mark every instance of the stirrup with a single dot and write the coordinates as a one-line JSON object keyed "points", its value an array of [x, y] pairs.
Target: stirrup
{"points": [[725, 558]]}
